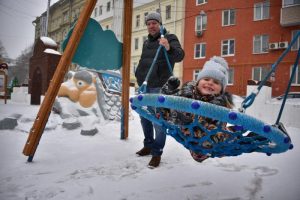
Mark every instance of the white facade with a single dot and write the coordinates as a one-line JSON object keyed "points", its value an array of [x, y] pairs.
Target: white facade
{"points": [[109, 14], [103, 10]]}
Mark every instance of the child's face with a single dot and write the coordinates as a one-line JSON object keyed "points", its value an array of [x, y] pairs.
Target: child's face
{"points": [[208, 86]]}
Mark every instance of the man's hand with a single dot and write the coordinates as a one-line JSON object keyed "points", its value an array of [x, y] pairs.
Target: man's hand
{"points": [[164, 42]]}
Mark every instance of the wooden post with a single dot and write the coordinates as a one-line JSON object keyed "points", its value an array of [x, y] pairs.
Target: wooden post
{"points": [[4, 72], [45, 109], [128, 5], [3, 87]]}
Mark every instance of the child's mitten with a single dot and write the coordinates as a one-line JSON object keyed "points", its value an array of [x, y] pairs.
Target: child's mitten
{"points": [[171, 86]]}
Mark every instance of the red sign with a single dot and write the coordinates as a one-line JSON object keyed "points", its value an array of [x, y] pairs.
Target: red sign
{"points": [[3, 66]]}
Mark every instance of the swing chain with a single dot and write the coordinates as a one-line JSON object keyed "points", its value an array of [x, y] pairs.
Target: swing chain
{"points": [[143, 87]]}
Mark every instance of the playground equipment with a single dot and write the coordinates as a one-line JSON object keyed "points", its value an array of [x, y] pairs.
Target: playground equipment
{"points": [[245, 134], [70, 49], [87, 88]]}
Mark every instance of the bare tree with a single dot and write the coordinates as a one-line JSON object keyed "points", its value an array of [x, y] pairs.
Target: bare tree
{"points": [[3, 53], [21, 70]]}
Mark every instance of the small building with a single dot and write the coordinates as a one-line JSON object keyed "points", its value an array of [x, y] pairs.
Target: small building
{"points": [[42, 66]]}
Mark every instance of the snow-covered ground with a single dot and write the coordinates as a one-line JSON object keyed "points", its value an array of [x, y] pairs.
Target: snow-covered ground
{"points": [[68, 166]]}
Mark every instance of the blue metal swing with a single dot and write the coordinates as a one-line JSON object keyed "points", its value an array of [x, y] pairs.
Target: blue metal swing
{"points": [[269, 139], [247, 134]]}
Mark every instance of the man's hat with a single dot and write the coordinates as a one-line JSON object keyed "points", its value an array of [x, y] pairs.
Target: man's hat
{"points": [[153, 16]]}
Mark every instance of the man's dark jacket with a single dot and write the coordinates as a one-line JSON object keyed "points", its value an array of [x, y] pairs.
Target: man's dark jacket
{"points": [[160, 72]]}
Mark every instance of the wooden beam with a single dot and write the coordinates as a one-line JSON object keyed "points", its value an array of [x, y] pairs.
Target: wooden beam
{"points": [[128, 6], [62, 68], [4, 89]]}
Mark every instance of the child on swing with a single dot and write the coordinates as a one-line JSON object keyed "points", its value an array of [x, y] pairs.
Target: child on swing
{"points": [[209, 87]]}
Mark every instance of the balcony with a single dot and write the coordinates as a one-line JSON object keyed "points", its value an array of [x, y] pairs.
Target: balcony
{"points": [[290, 16]]}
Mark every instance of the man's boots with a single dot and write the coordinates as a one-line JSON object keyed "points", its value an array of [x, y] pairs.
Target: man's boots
{"points": [[154, 162], [145, 151]]}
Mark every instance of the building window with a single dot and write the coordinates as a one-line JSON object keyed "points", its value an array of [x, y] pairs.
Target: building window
{"points": [[228, 47], [261, 10], [230, 76], [296, 78], [95, 12], [296, 45], [168, 12], [199, 50], [260, 44], [145, 15], [198, 2], [108, 6], [287, 3], [65, 14], [100, 10], [259, 73], [196, 74], [136, 43], [228, 17], [76, 14], [201, 22], [65, 32], [137, 21]]}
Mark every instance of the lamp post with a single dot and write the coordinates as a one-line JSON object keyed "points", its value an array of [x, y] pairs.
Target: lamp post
{"points": [[47, 18]]}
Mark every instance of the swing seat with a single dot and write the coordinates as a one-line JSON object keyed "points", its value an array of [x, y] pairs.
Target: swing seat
{"points": [[232, 134]]}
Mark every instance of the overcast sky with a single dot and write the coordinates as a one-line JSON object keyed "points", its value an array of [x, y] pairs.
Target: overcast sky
{"points": [[16, 16]]}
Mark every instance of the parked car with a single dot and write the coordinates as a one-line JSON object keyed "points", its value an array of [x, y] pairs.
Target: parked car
{"points": [[291, 95]]}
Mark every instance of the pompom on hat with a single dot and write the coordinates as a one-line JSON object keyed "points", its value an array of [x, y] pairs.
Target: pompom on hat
{"points": [[216, 68], [153, 16]]}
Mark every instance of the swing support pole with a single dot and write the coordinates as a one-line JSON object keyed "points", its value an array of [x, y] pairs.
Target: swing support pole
{"points": [[250, 99], [65, 60], [288, 87], [128, 6]]}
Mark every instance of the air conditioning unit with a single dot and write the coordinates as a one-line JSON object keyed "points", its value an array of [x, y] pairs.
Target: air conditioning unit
{"points": [[283, 45], [273, 45], [198, 33]]}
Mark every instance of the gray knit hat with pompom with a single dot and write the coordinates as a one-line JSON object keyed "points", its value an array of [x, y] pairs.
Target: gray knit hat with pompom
{"points": [[216, 68]]}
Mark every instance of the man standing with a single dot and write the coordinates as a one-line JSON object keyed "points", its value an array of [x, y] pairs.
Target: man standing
{"points": [[158, 77]]}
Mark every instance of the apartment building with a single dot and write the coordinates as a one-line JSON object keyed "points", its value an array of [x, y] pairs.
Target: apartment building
{"points": [[250, 35], [104, 12], [62, 16]]}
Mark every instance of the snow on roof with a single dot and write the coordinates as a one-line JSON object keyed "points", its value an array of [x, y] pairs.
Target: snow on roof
{"points": [[52, 51], [48, 41]]}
